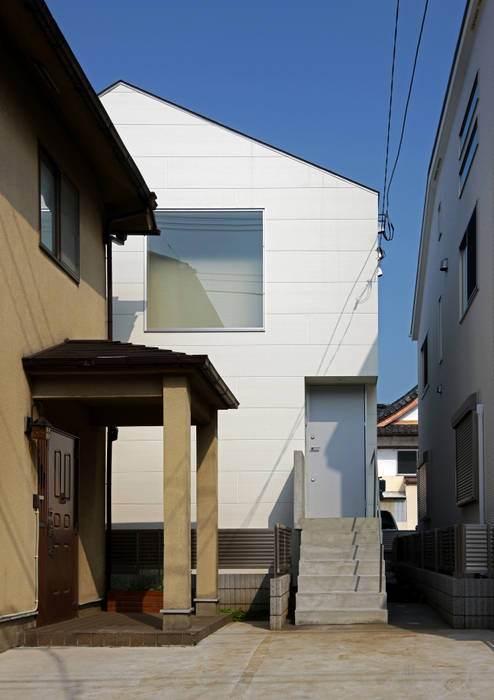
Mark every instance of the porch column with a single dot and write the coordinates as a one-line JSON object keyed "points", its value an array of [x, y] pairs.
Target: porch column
{"points": [[176, 498], [207, 518]]}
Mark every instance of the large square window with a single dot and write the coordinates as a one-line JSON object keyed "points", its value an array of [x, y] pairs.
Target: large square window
{"points": [[205, 271]]}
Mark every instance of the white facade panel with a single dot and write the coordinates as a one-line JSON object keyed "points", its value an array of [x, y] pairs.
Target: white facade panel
{"points": [[320, 297]]}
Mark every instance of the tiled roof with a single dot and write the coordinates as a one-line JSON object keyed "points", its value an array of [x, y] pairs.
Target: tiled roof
{"points": [[111, 355], [384, 410], [399, 429]]}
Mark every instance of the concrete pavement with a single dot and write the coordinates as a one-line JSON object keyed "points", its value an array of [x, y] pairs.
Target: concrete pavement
{"points": [[416, 656]]}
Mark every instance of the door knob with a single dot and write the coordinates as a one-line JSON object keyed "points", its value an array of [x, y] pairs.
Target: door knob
{"points": [[312, 479]]}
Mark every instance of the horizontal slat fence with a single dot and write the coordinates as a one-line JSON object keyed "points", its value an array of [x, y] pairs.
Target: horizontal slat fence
{"points": [[137, 550], [458, 550]]}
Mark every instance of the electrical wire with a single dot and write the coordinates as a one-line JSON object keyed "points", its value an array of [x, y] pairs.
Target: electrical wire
{"points": [[406, 106], [390, 106]]}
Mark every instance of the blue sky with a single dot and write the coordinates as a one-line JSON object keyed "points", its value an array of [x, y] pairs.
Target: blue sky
{"points": [[311, 78]]}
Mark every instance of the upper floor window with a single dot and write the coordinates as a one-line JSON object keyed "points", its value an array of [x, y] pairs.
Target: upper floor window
{"points": [[424, 363], [205, 272], [59, 215], [469, 112], [468, 264], [407, 462], [468, 136]]}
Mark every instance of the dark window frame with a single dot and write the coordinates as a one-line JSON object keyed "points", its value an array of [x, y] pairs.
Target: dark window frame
{"points": [[407, 473], [468, 265], [424, 363], [468, 117], [59, 176]]}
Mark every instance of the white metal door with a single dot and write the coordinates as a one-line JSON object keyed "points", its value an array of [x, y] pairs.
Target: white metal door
{"points": [[335, 449]]}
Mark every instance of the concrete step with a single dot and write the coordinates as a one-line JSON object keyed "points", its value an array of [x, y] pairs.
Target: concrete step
{"points": [[341, 524], [338, 567], [326, 584], [339, 539], [327, 553], [341, 617], [340, 601]]}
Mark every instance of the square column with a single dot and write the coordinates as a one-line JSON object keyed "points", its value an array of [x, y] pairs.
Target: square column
{"points": [[207, 518], [176, 498]]}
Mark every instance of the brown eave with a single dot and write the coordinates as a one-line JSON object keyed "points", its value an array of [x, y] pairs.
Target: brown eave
{"points": [[105, 356]]}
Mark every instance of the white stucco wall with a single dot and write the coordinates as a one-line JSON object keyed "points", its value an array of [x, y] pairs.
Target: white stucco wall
{"points": [[320, 303], [467, 362]]}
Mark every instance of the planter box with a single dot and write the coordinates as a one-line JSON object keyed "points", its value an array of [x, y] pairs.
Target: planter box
{"points": [[135, 601]]}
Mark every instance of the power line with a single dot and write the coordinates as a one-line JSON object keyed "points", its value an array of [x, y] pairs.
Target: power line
{"points": [[390, 105], [406, 106]]}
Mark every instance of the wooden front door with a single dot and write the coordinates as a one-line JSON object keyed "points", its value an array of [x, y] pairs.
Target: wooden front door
{"points": [[58, 539]]}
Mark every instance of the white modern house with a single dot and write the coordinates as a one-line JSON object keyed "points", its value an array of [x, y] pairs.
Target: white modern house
{"points": [[267, 263], [453, 326]]}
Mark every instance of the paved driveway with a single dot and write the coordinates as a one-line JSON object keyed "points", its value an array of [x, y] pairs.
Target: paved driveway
{"points": [[415, 657]]}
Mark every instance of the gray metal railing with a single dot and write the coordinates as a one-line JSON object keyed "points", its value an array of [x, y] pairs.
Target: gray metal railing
{"points": [[459, 550], [282, 549]]}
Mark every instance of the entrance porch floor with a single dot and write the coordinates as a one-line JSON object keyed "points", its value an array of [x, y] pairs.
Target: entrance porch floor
{"points": [[109, 629]]}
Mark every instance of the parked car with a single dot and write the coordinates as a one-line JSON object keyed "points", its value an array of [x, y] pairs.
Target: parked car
{"points": [[387, 521]]}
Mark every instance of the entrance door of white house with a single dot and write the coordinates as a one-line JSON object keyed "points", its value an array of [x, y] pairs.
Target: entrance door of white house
{"points": [[335, 450]]}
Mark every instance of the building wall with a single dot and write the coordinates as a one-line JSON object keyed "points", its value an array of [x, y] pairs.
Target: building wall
{"points": [[40, 306], [468, 343], [320, 303]]}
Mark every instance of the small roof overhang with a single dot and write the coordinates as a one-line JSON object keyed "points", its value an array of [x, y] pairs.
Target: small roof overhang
{"points": [[122, 383]]}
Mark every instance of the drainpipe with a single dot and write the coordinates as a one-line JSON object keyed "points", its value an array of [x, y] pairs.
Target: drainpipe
{"points": [[109, 287], [480, 436], [111, 436]]}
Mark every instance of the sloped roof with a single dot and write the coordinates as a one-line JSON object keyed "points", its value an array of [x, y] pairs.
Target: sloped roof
{"points": [[385, 410], [412, 429], [111, 355], [235, 131]]}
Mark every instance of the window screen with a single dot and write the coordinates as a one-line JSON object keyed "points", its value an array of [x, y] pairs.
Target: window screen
{"points": [[205, 271], [466, 459], [400, 506], [422, 503]]}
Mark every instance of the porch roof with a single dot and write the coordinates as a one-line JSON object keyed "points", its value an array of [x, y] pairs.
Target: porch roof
{"points": [[121, 382]]}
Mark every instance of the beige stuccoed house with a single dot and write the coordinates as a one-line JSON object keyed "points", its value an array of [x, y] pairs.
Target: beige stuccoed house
{"points": [[68, 191]]}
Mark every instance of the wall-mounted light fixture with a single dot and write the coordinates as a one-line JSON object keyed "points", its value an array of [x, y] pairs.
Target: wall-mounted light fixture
{"points": [[444, 265], [39, 429]]}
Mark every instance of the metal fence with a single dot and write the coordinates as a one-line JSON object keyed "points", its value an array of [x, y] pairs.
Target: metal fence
{"points": [[134, 551], [458, 550], [282, 549]]}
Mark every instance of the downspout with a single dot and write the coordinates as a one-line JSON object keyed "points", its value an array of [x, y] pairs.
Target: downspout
{"points": [[111, 436], [109, 287], [481, 475]]}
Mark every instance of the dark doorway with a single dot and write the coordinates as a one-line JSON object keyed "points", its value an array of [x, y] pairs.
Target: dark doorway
{"points": [[58, 529]]}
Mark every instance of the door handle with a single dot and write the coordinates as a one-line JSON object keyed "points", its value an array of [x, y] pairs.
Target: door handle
{"points": [[315, 449]]}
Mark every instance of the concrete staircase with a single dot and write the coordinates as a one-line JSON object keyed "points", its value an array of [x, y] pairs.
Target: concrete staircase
{"points": [[338, 582]]}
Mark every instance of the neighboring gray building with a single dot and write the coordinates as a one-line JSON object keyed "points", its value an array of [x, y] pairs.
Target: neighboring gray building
{"points": [[451, 558], [452, 316]]}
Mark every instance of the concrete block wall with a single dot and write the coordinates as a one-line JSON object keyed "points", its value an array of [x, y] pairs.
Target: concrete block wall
{"points": [[279, 601], [248, 592], [465, 603]]}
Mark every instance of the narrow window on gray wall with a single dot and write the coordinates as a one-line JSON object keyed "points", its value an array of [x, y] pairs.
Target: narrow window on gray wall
{"points": [[422, 495], [468, 136], [468, 264], [424, 363], [440, 344], [466, 459]]}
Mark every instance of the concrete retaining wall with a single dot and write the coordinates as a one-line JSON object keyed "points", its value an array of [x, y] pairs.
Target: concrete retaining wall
{"points": [[279, 601], [462, 602]]}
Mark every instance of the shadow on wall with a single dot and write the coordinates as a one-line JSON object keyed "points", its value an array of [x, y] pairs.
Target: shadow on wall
{"points": [[125, 316], [282, 511]]}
